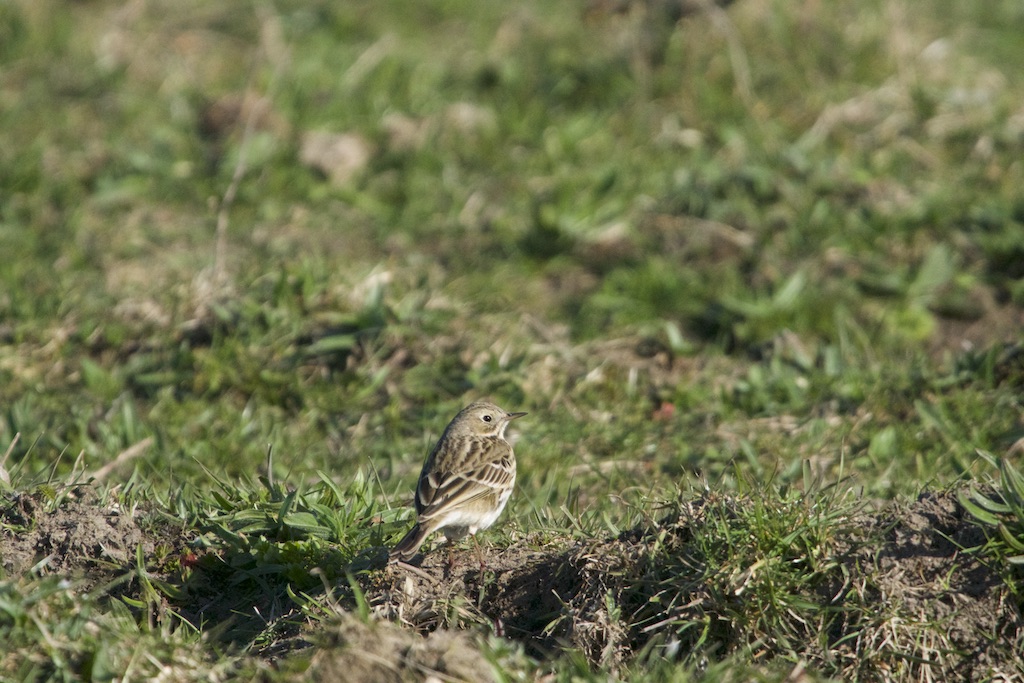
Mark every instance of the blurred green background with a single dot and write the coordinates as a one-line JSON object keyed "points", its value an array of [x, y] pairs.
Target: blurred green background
{"points": [[691, 242]]}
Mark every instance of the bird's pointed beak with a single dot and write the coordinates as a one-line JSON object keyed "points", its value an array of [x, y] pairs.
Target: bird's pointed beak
{"points": [[513, 416]]}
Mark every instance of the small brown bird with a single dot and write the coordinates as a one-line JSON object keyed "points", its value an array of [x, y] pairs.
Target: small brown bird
{"points": [[466, 480]]}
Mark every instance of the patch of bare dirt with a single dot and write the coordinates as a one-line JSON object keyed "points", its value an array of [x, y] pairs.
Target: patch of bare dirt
{"points": [[518, 593], [78, 538], [988, 325]]}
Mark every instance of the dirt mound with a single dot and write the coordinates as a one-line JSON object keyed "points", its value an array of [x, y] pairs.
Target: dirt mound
{"points": [[518, 594], [898, 593]]}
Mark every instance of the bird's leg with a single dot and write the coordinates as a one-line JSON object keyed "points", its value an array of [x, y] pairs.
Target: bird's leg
{"points": [[479, 555], [451, 555]]}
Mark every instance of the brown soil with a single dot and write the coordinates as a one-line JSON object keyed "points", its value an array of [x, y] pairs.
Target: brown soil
{"points": [[79, 538]]}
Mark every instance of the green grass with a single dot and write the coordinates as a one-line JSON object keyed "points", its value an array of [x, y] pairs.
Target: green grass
{"points": [[740, 251]]}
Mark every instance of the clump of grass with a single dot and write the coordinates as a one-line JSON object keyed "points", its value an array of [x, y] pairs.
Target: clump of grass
{"points": [[720, 575], [1001, 512], [271, 559], [264, 534]]}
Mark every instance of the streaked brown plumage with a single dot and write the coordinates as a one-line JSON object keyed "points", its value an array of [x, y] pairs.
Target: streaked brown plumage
{"points": [[466, 480]]}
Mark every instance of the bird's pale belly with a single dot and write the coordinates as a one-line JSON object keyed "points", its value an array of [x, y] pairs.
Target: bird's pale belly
{"points": [[469, 520]]}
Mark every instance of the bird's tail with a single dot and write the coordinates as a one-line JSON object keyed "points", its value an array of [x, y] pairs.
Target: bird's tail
{"points": [[405, 549]]}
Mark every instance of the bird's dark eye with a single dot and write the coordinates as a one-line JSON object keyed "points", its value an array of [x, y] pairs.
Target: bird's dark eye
{"points": [[486, 418]]}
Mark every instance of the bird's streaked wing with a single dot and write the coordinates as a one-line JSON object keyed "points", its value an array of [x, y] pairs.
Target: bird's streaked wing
{"points": [[475, 470]]}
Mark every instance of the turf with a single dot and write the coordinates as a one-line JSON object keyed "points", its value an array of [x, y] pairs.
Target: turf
{"points": [[755, 270]]}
